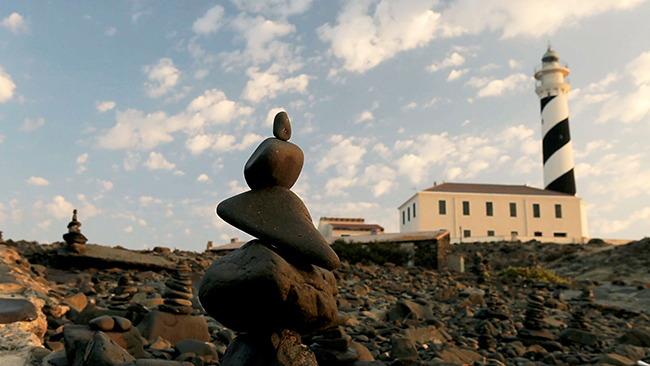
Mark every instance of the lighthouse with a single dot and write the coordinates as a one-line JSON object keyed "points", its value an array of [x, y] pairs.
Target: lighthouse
{"points": [[553, 90]]}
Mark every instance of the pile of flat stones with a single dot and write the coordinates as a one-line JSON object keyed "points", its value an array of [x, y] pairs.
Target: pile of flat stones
{"points": [[279, 285], [122, 293], [74, 239], [535, 327], [178, 294]]}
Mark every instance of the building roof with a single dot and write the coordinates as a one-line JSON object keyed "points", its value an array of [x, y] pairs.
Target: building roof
{"points": [[391, 237], [493, 189], [354, 226]]}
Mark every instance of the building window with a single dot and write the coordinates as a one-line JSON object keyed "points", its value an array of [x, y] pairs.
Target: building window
{"points": [[559, 235], [442, 207], [513, 209], [489, 210], [413, 209], [467, 233], [514, 233], [538, 233], [490, 232], [466, 208], [408, 213], [558, 211], [403, 217], [536, 210]]}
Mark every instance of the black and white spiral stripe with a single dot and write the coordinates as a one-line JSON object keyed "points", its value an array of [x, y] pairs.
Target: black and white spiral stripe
{"points": [[557, 146]]}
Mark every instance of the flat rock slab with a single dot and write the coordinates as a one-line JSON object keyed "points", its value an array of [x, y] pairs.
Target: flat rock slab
{"points": [[278, 217], [98, 256], [173, 327], [16, 310]]}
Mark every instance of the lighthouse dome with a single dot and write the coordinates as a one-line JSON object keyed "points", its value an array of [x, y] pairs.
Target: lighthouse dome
{"points": [[550, 56]]}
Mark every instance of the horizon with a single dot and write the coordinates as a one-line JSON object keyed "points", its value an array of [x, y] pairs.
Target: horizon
{"points": [[142, 116]]}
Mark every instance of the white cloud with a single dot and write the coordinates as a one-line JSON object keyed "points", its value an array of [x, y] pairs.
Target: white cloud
{"points": [[456, 74], [106, 185], [82, 158], [131, 161], [235, 188], [369, 32], [110, 31], [432, 103], [455, 59], [210, 22], [283, 8], [60, 208], [44, 224], [514, 64], [639, 69], [344, 155], [203, 178], [262, 44], [15, 23], [7, 86], [629, 108], [365, 116], [163, 76], [38, 181], [87, 209], [613, 226], [31, 125], [213, 108], [268, 85], [103, 106], [147, 200], [220, 142], [158, 161], [495, 87], [382, 187], [128, 229], [617, 176], [410, 106]]}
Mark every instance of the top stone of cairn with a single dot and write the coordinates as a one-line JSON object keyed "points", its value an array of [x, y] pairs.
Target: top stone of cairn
{"points": [[282, 126]]}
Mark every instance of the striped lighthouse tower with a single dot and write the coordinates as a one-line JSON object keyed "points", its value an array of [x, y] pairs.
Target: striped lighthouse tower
{"points": [[558, 149]]}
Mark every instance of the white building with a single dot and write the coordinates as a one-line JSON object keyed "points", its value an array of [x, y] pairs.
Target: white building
{"points": [[492, 212], [347, 226]]}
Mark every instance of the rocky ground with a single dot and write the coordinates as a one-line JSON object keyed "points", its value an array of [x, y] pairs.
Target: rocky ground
{"points": [[92, 309]]}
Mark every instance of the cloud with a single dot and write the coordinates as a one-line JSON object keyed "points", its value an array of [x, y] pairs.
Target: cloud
{"points": [[365, 116], [282, 8], [270, 117], [87, 209], [210, 22], [110, 31], [44, 224], [514, 64], [220, 142], [158, 161], [147, 200], [15, 23], [128, 229], [617, 176], [203, 178], [613, 226], [631, 107], [455, 59], [266, 84], [82, 158], [60, 208], [163, 76], [38, 181], [369, 32], [262, 42], [456, 74], [106, 185], [104, 106], [31, 125], [7, 86], [489, 87], [344, 155]]}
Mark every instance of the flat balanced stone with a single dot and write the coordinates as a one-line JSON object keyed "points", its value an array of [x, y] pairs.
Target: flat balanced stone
{"points": [[282, 126], [274, 163], [255, 289], [279, 218], [16, 310]]}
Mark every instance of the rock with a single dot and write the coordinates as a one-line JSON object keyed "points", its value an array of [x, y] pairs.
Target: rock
{"points": [[121, 324], [362, 351], [203, 349], [102, 257], [265, 292], [636, 337], [178, 294], [615, 360], [274, 163], [282, 221], [570, 336], [16, 310], [460, 356], [427, 334], [403, 348], [155, 363], [281, 349], [173, 327], [104, 322], [406, 307], [281, 127], [103, 351]]}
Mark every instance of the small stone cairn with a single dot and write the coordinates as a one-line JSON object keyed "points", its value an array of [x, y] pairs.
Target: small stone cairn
{"points": [[578, 332], [495, 308], [74, 239], [279, 285], [2, 241], [123, 293], [535, 328], [481, 268], [178, 295], [587, 296]]}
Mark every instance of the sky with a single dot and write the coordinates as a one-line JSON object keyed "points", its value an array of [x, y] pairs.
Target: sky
{"points": [[142, 114]]}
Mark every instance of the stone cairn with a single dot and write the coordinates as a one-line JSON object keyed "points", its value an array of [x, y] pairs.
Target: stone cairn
{"points": [[2, 241], [74, 239], [495, 308], [481, 268], [579, 320], [178, 294], [587, 296], [279, 285], [123, 293], [535, 328]]}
